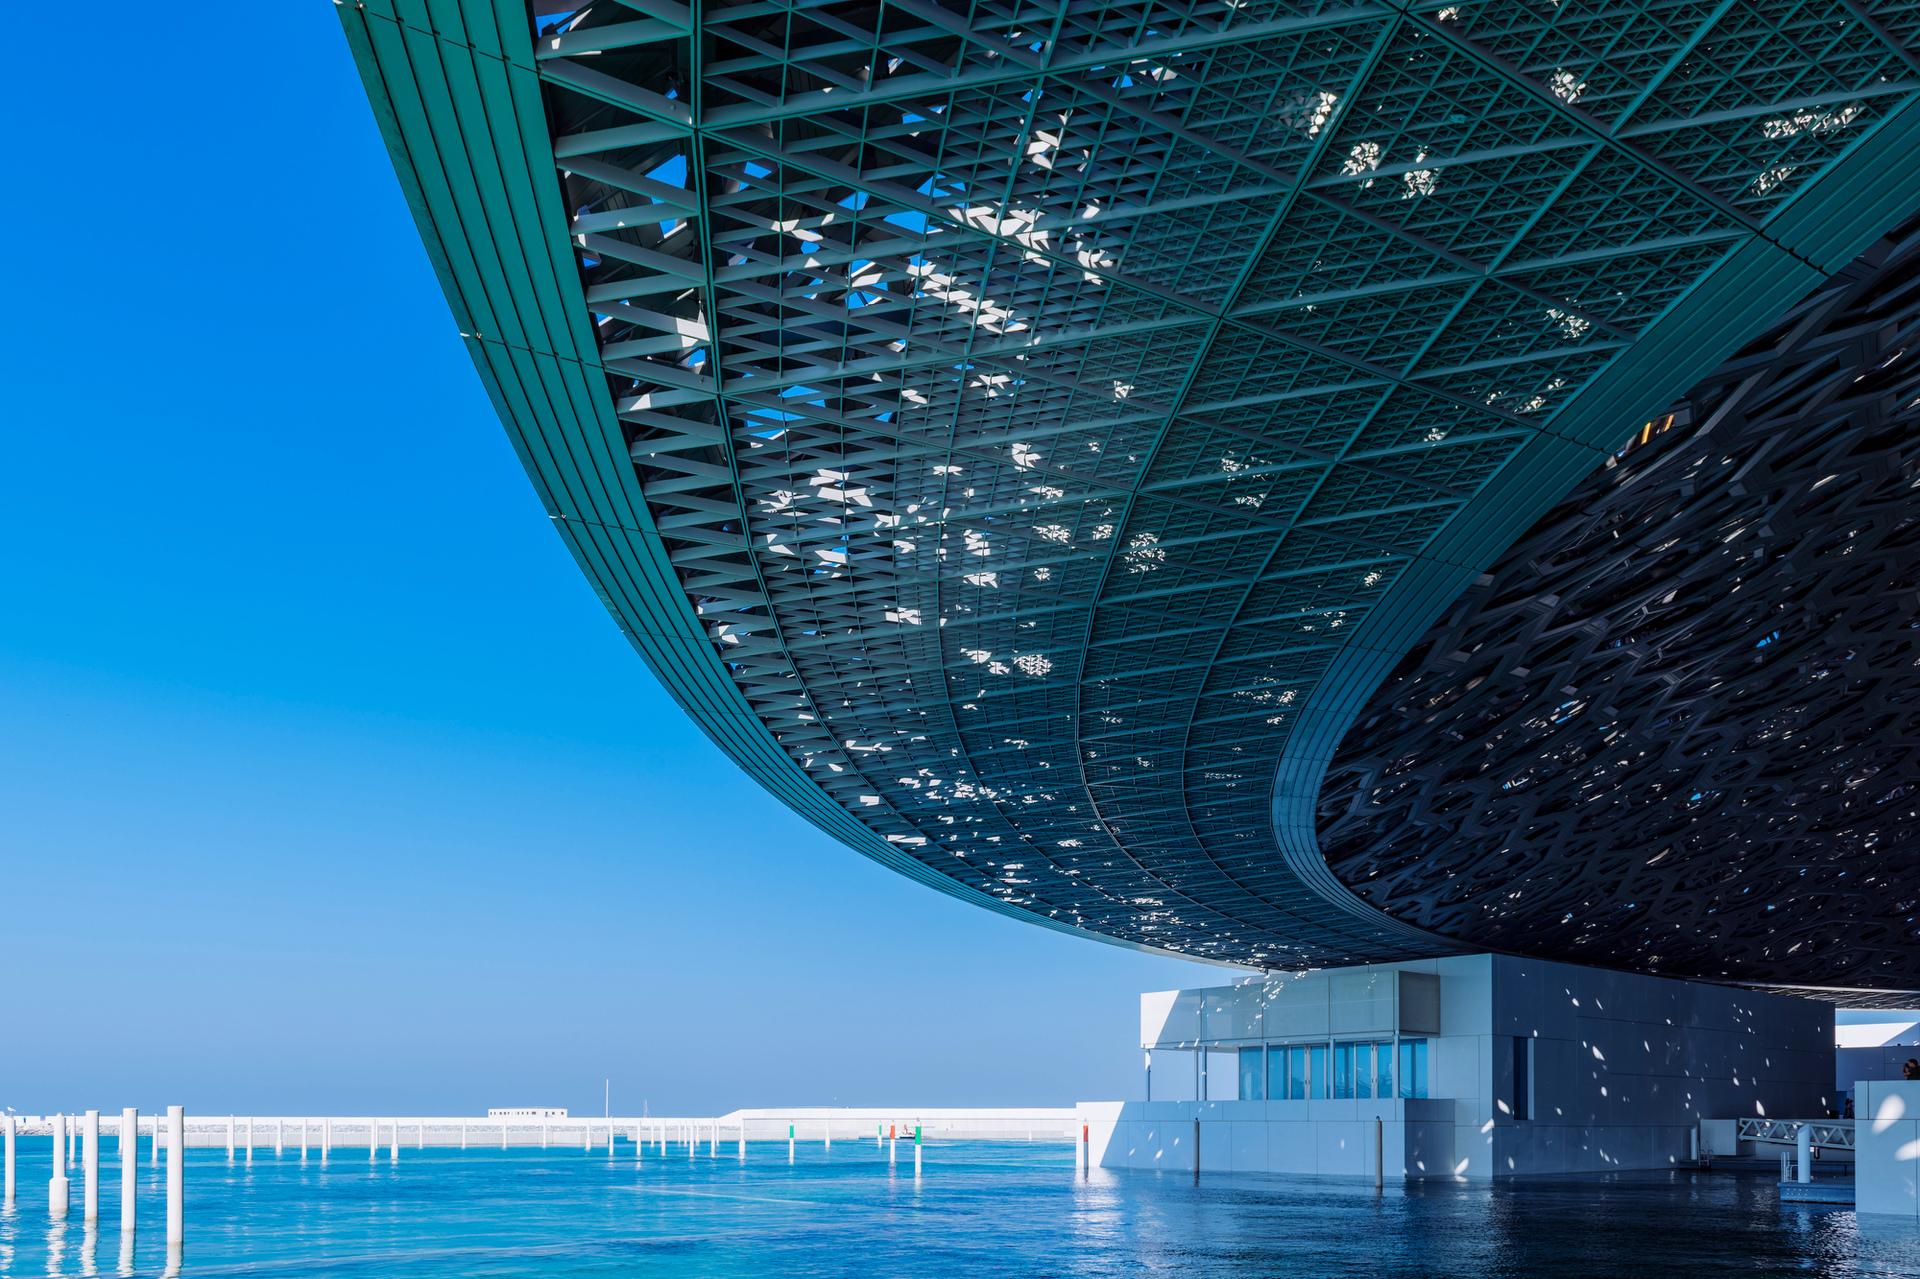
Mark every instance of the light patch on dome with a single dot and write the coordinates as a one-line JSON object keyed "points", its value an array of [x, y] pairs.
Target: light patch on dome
{"points": [[1144, 553], [1417, 182], [1034, 664]]}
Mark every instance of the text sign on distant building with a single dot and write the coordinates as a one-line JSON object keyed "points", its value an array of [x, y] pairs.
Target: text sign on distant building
{"points": [[526, 1112]]}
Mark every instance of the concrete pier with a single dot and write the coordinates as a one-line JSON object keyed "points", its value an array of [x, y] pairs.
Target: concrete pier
{"points": [[12, 1168], [129, 1168], [176, 1176], [90, 1165], [57, 1184]]}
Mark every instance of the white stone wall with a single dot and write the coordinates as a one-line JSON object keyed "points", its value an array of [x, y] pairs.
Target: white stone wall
{"points": [[1886, 1137], [1882, 1061], [1305, 1138], [1625, 1066]]}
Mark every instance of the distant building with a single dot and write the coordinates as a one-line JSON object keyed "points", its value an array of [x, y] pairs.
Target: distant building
{"points": [[527, 1112]]}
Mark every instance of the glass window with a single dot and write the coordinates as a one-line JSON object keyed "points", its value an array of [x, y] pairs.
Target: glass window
{"points": [[1383, 1069], [1363, 1070], [1413, 1068], [1296, 1073], [1522, 1084], [1342, 1070], [1318, 1076], [1253, 1074], [1276, 1074]]}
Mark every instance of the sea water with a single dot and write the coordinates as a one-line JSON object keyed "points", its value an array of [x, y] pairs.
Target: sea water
{"points": [[981, 1208]]}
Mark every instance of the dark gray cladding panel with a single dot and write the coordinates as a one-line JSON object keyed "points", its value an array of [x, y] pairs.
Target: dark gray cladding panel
{"points": [[1677, 727]]}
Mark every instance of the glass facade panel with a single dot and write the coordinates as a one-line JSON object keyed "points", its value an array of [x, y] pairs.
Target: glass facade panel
{"points": [[1276, 1074], [1383, 1069], [1253, 1074], [1413, 1068], [1342, 1070], [1317, 1072], [1363, 1070], [1296, 1073]]}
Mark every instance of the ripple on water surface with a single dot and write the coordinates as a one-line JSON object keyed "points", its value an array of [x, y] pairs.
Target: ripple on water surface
{"points": [[1003, 1209]]}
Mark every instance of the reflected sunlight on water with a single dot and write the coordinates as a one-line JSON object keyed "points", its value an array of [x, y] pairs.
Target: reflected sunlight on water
{"points": [[1003, 1209]]}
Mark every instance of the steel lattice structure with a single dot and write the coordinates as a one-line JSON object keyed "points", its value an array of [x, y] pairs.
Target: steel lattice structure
{"points": [[1024, 433]]}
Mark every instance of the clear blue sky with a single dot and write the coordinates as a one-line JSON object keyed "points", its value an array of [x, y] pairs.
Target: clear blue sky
{"points": [[325, 782]]}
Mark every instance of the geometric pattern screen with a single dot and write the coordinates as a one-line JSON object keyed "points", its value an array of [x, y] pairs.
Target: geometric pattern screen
{"points": [[1677, 727], [1001, 422]]}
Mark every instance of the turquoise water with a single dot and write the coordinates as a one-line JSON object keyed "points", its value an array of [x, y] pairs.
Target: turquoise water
{"points": [[980, 1209]]}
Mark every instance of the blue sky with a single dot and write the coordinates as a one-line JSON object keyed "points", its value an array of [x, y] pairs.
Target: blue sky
{"points": [[325, 782]]}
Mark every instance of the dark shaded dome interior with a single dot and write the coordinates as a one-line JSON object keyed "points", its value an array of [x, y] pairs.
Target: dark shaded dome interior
{"points": [[1677, 727]]}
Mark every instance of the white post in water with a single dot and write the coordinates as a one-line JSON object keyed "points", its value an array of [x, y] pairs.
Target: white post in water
{"points": [[229, 1138], [1379, 1154], [373, 1140], [157, 1139], [393, 1151], [463, 1134], [176, 1176], [326, 1138], [639, 1142], [129, 1167], [789, 1143], [249, 1138], [743, 1139], [13, 1168], [57, 1184], [1803, 1154], [420, 1135], [893, 1144], [713, 1138], [586, 1136], [916, 1152], [303, 1139], [693, 1139], [543, 1134], [279, 1138], [90, 1161], [503, 1134]]}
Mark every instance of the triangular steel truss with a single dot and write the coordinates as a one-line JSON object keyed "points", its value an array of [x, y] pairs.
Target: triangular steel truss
{"points": [[1016, 429]]}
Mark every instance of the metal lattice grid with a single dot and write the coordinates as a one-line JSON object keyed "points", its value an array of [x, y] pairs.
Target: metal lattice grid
{"points": [[1034, 403]]}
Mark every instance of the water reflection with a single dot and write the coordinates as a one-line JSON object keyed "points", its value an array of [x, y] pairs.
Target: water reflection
{"points": [[977, 1209]]}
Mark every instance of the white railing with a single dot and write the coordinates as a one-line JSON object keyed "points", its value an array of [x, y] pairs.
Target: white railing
{"points": [[810, 1125], [1832, 1134]]}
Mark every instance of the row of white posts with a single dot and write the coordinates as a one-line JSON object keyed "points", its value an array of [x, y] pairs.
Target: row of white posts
{"points": [[58, 1189]]}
